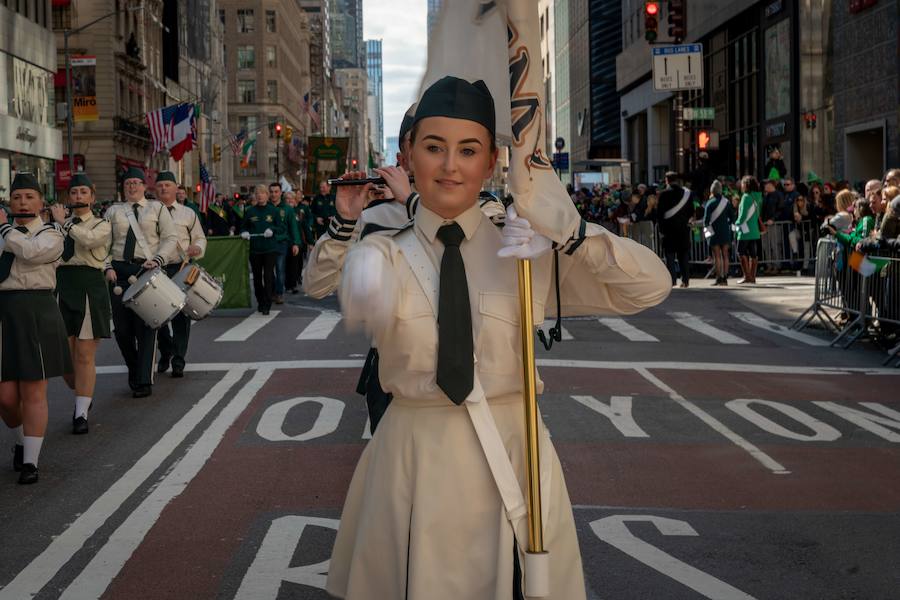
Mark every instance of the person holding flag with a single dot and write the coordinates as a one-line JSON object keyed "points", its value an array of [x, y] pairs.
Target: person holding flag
{"points": [[174, 335], [82, 292], [423, 517]]}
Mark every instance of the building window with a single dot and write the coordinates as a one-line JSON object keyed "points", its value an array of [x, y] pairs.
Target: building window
{"points": [[224, 55], [270, 57], [270, 21], [246, 57], [62, 17], [247, 123], [272, 90], [246, 90], [245, 20], [222, 16]]}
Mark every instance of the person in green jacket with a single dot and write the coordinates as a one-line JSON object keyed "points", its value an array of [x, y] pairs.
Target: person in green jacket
{"points": [[747, 228], [288, 241], [865, 225], [262, 226]]}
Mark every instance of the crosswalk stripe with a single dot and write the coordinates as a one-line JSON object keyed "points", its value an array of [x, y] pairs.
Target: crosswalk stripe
{"points": [[627, 330], [757, 321], [551, 323], [700, 326], [243, 330], [321, 327]]}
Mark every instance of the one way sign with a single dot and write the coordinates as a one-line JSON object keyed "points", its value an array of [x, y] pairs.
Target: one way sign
{"points": [[678, 67]]}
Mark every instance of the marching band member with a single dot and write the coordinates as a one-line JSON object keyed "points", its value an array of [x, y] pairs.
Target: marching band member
{"points": [[174, 336], [423, 517], [143, 237], [262, 226], [82, 292], [33, 344], [354, 219]]}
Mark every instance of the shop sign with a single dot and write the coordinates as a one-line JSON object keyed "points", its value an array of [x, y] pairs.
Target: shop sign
{"points": [[24, 134], [776, 129], [30, 92]]}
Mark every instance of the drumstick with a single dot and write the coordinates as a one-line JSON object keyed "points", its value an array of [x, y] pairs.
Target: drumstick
{"points": [[374, 180]]}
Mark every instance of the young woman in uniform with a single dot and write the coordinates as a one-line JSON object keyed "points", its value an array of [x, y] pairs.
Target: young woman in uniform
{"points": [[32, 333], [82, 292], [423, 518]]}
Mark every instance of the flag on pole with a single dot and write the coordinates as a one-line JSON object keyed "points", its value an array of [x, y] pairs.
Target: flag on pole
{"points": [[207, 189], [867, 265], [236, 141], [312, 109], [503, 49], [247, 152], [173, 128]]}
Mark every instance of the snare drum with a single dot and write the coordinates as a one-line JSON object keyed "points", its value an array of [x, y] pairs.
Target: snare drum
{"points": [[203, 291], [155, 298]]}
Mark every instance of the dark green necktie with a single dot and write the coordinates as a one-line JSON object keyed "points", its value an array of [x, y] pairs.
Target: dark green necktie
{"points": [[7, 258], [69, 245], [131, 239], [455, 365]]}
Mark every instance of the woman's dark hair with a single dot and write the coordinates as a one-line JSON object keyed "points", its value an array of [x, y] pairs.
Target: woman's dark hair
{"points": [[864, 208], [750, 183], [415, 130]]}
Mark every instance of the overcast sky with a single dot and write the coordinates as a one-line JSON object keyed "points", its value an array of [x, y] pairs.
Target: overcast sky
{"points": [[400, 24]]}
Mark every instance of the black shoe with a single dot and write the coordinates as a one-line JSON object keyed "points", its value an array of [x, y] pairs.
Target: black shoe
{"points": [[18, 457], [80, 426], [264, 311], [177, 372], [29, 474], [163, 365], [142, 391]]}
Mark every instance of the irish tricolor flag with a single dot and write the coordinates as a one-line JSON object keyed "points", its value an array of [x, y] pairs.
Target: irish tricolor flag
{"points": [[247, 152], [867, 265]]}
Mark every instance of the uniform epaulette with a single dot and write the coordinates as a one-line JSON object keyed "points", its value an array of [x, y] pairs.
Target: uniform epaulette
{"points": [[383, 230], [575, 241], [55, 226]]}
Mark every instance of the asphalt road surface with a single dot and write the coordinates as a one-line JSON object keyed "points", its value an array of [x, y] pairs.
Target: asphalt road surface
{"points": [[709, 452]]}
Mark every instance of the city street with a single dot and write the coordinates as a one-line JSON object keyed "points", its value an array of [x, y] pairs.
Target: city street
{"points": [[709, 452]]}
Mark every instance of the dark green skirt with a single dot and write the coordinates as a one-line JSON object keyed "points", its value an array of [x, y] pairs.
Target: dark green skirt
{"points": [[33, 344], [83, 302]]}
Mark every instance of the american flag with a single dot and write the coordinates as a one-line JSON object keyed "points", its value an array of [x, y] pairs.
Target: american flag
{"points": [[236, 141], [207, 189], [312, 110]]}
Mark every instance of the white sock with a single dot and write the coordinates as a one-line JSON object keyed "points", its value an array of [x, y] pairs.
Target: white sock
{"points": [[32, 449], [82, 403], [20, 435]]}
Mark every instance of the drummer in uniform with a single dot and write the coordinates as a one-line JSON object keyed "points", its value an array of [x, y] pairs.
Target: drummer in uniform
{"points": [[174, 335], [33, 345], [82, 292], [133, 252], [423, 517]]}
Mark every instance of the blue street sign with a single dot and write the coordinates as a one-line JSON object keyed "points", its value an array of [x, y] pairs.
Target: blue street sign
{"points": [[680, 49], [561, 160]]}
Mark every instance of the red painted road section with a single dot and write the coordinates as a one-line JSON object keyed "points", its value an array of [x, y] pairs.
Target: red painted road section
{"points": [[189, 550]]}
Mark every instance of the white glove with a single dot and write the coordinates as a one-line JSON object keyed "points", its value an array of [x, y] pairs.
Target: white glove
{"points": [[520, 240], [245, 235], [368, 291], [268, 233]]}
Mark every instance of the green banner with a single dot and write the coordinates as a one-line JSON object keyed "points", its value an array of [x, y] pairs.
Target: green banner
{"points": [[227, 259]]}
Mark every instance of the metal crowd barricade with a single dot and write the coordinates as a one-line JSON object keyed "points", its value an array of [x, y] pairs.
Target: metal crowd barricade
{"points": [[883, 295], [787, 244], [827, 293]]}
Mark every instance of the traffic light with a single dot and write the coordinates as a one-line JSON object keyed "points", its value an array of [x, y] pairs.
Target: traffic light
{"points": [[810, 119], [651, 21], [277, 129], [707, 139], [703, 139], [677, 20], [217, 153], [354, 162], [197, 188], [288, 134], [237, 196]]}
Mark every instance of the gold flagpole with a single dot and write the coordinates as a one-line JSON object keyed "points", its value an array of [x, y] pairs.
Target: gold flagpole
{"points": [[532, 419]]}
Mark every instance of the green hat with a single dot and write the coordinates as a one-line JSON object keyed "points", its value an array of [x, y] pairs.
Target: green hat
{"points": [[458, 99], [811, 177], [80, 179], [133, 173], [25, 181], [166, 176]]}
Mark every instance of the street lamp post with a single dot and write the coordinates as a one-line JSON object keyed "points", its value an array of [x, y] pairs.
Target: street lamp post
{"points": [[69, 108]]}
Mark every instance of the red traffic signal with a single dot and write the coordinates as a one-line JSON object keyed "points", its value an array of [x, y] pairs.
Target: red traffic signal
{"points": [[651, 21], [197, 188], [237, 196], [677, 20], [278, 128], [707, 139], [354, 162], [703, 139]]}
